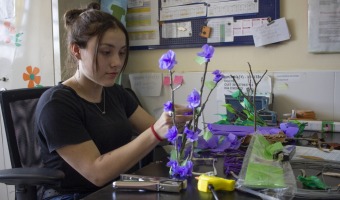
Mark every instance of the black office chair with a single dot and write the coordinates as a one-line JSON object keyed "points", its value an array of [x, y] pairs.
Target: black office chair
{"points": [[18, 108]]}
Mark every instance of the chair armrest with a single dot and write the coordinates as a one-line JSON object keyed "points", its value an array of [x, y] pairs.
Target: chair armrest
{"points": [[31, 176]]}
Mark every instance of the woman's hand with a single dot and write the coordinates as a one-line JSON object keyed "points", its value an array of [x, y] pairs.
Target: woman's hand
{"points": [[165, 122]]}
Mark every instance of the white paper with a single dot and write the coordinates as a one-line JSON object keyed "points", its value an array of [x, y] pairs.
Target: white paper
{"points": [[183, 12], [222, 30], [243, 27], [276, 31], [312, 151], [232, 8], [135, 3], [287, 76], [176, 30], [169, 3], [324, 26], [228, 86], [146, 84], [142, 24]]}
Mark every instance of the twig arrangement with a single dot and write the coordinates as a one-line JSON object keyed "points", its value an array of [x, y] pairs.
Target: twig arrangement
{"points": [[252, 91]]}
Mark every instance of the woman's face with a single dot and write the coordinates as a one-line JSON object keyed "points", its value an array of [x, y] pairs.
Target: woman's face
{"points": [[111, 55]]}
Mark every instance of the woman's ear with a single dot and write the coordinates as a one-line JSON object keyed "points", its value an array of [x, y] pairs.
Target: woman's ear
{"points": [[75, 50]]}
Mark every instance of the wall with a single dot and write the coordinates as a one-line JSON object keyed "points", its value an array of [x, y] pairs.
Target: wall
{"points": [[59, 7], [317, 88]]}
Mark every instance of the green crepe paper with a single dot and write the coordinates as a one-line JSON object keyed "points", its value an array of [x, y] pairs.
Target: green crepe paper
{"points": [[312, 182], [264, 176], [262, 170]]}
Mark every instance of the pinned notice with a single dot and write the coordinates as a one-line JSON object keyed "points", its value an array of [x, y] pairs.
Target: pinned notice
{"points": [[274, 31]]}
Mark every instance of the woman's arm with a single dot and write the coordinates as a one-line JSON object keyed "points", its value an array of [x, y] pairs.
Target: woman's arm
{"points": [[100, 169]]}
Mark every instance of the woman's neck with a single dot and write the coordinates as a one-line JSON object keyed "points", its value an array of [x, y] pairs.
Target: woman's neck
{"points": [[85, 88]]}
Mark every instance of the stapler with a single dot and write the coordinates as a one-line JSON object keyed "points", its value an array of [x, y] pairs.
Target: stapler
{"points": [[151, 183]]}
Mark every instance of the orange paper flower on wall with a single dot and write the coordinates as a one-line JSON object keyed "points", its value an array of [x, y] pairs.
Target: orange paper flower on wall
{"points": [[31, 76]]}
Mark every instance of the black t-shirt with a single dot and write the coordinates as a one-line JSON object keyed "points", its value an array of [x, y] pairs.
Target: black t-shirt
{"points": [[64, 118]]}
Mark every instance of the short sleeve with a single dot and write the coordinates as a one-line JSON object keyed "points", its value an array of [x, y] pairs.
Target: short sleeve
{"points": [[59, 120]]}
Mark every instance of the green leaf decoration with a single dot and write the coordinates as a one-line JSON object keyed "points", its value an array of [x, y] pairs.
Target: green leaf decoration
{"points": [[210, 84], [249, 115], [223, 116], [173, 154], [312, 182], [230, 108], [236, 94], [200, 60], [225, 122], [207, 135], [247, 105]]}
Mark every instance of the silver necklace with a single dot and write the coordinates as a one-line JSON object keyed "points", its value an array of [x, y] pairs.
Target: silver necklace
{"points": [[103, 92], [104, 108]]}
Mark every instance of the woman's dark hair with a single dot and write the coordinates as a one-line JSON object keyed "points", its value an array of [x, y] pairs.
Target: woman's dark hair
{"points": [[83, 24]]}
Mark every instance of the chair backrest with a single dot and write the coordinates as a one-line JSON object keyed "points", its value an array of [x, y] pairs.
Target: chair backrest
{"points": [[18, 110]]}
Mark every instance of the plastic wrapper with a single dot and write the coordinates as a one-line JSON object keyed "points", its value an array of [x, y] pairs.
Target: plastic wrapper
{"points": [[264, 176]]}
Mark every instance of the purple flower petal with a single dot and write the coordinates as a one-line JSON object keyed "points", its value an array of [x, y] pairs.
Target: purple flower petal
{"points": [[207, 52], [172, 134], [168, 106], [291, 131], [191, 135], [213, 142], [194, 99], [275, 131], [202, 143], [218, 76], [168, 60]]}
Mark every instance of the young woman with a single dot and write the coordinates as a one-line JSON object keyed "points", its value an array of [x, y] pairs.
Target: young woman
{"points": [[84, 124]]}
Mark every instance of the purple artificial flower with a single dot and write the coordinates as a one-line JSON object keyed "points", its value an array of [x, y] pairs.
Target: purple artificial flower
{"points": [[194, 99], [233, 161], [179, 142], [213, 142], [184, 171], [172, 134], [172, 163], [290, 129], [168, 60], [189, 165], [188, 113], [218, 76], [219, 143], [207, 53], [168, 106], [191, 135], [202, 143], [233, 141]]}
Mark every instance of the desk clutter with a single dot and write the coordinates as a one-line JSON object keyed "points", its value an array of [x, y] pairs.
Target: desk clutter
{"points": [[265, 168]]}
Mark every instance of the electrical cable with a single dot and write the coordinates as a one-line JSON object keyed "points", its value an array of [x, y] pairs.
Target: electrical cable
{"points": [[211, 188]]}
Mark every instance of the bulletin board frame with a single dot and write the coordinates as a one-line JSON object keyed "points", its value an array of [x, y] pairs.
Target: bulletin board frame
{"points": [[269, 9]]}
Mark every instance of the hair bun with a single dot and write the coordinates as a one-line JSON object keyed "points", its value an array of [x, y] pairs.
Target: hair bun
{"points": [[71, 15], [93, 5]]}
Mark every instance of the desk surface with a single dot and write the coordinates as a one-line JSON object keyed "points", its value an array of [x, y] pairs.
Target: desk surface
{"points": [[159, 169]]}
